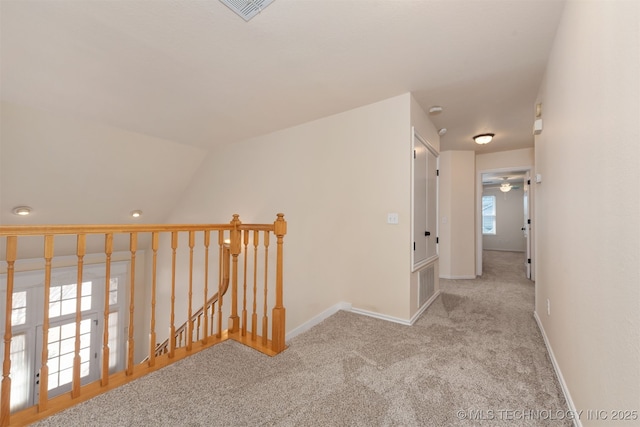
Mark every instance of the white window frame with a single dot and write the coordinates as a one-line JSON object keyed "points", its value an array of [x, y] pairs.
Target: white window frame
{"points": [[490, 216]]}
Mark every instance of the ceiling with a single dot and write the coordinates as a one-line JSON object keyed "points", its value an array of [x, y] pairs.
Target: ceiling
{"points": [[195, 73]]}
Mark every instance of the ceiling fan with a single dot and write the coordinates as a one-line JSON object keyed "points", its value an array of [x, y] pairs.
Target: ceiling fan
{"points": [[505, 186]]}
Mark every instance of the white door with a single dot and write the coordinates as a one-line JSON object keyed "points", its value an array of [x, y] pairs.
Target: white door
{"points": [[419, 202], [425, 203], [27, 325], [61, 352], [526, 228]]}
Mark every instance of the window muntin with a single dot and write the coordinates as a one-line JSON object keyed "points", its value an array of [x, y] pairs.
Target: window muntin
{"points": [[489, 215], [62, 299], [19, 308]]}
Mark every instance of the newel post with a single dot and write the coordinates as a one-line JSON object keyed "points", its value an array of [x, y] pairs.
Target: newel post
{"points": [[234, 246], [279, 313]]}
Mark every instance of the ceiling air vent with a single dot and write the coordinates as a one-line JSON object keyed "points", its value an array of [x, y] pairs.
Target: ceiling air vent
{"points": [[247, 9]]}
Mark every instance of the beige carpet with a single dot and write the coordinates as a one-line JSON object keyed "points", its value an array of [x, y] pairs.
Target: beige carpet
{"points": [[476, 352]]}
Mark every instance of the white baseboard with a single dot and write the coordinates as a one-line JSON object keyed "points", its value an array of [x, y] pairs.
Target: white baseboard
{"points": [[346, 306], [457, 277], [381, 316], [556, 368], [317, 319], [424, 307]]}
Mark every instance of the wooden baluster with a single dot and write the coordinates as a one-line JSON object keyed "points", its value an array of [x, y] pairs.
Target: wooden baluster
{"points": [[279, 312], [133, 247], [254, 315], [81, 250], [226, 266], [44, 367], [192, 242], [265, 318], [234, 320], [244, 286], [154, 277], [172, 327], [5, 403], [221, 243], [108, 250], [199, 319], [212, 313], [205, 312]]}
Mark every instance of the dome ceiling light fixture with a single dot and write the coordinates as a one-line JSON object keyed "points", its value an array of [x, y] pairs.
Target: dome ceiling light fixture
{"points": [[442, 131], [136, 214], [436, 109], [484, 138], [22, 210]]}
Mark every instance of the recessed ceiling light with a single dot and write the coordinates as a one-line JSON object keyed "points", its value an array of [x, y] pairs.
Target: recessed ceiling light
{"points": [[436, 109], [22, 210], [442, 131], [136, 214], [483, 138]]}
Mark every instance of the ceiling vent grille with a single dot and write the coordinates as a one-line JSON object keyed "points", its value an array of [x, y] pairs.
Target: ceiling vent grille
{"points": [[247, 9]]}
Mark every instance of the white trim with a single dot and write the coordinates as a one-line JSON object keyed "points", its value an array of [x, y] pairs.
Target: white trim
{"points": [[416, 136], [556, 368], [346, 306], [465, 277], [479, 234], [424, 307], [425, 263], [409, 322], [37, 264], [317, 319], [381, 316]]}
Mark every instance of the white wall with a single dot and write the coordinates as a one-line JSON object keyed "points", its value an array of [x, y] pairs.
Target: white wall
{"points": [[588, 205], [73, 171], [335, 179], [457, 221], [512, 159], [509, 221]]}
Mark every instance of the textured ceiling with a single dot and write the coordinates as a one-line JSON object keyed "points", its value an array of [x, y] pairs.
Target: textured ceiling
{"points": [[195, 73]]}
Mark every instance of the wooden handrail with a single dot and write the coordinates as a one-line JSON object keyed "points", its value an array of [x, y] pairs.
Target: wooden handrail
{"points": [[38, 230], [206, 324]]}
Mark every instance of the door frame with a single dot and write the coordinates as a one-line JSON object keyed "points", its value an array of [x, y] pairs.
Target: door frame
{"points": [[32, 281], [530, 240], [417, 138]]}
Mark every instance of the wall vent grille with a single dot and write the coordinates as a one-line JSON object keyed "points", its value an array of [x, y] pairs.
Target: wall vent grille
{"points": [[427, 285], [247, 9]]}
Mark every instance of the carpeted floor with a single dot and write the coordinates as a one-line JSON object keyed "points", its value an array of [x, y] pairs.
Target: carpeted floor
{"points": [[475, 353]]}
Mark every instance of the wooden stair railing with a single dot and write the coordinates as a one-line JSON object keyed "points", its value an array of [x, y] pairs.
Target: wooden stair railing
{"points": [[201, 319], [261, 283]]}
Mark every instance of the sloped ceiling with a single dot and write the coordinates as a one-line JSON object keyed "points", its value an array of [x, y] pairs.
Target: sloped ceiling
{"points": [[195, 75]]}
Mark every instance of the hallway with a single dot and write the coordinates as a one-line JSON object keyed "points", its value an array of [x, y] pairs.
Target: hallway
{"points": [[475, 357]]}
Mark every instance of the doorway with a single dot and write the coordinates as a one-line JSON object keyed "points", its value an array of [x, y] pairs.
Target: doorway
{"points": [[504, 214], [63, 333]]}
